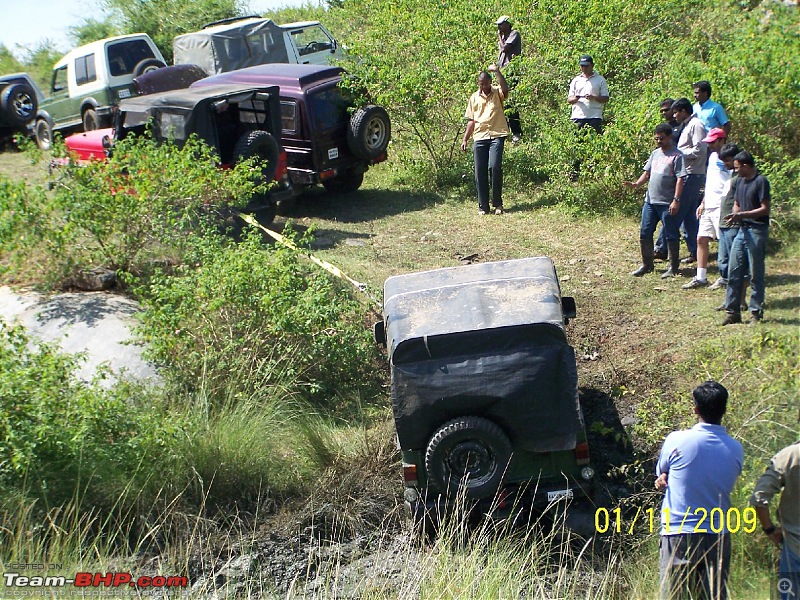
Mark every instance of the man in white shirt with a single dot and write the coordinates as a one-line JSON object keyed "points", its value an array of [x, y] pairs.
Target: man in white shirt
{"points": [[588, 93], [718, 184]]}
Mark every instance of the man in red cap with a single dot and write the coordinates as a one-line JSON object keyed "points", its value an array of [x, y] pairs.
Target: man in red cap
{"points": [[718, 183]]}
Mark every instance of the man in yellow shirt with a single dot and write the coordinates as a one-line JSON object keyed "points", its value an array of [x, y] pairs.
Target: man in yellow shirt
{"points": [[488, 128]]}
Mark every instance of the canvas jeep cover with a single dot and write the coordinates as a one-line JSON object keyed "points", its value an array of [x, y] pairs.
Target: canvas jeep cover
{"points": [[486, 340], [231, 46]]}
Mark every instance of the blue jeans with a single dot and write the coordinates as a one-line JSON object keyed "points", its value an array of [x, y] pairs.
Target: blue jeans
{"points": [[746, 256], [489, 163], [687, 213], [789, 574], [651, 215], [726, 235]]}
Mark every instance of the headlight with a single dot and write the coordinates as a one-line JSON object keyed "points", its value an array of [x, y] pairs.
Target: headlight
{"points": [[587, 473]]}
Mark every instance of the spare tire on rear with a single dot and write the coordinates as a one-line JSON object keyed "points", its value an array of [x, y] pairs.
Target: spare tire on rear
{"points": [[20, 104], [262, 145], [468, 456], [146, 66], [369, 132]]}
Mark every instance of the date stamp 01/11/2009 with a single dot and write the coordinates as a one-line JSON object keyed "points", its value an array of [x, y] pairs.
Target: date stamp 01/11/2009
{"points": [[715, 520]]}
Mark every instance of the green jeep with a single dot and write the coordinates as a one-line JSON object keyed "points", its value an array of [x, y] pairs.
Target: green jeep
{"points": [[484, 389]]}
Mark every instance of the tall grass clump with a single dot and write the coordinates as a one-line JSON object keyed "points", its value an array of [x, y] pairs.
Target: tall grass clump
{"points": [[79, 461]]}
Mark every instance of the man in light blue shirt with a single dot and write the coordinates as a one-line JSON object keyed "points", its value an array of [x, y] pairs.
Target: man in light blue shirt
{"points": [[697, 469], [709, 112]]}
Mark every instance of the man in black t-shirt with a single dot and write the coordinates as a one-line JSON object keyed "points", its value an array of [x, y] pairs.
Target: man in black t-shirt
{"points": [[751, 207]]}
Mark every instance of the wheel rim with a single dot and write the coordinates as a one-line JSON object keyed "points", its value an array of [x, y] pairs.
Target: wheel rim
{"points": [[43, 135], [470, 462], [23, 105], [376, 134]]}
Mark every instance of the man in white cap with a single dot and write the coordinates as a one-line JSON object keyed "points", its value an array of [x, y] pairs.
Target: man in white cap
{"points": [[509, 45]]}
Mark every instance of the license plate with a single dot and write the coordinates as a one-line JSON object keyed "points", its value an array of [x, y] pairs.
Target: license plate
{"points": [[558, 495], [333, 153], [124, 93]]}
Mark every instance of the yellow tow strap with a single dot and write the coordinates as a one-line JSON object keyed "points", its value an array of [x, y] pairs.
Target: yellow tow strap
{"points": [[332, 269]]}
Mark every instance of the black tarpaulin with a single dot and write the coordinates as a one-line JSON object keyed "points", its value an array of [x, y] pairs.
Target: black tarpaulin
{"points": [[483, 340]]}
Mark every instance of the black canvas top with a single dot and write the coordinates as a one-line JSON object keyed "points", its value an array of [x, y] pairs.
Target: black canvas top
{"points": [[485, 340], [476, 297]]}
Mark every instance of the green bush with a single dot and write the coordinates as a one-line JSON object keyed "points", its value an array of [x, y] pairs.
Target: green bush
{"points": [[118, 451], [145, 199], [61, 439], [237, 309]]}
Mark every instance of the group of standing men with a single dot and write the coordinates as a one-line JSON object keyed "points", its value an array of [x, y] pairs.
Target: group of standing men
{"points": [[692, 154], [697, 469]]}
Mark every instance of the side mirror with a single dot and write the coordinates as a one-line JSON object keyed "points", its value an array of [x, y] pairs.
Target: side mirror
{"points": [[379, 333], [568, 307]]}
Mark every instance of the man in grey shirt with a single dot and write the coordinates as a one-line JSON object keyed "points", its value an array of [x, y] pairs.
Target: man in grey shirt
{"points": [[695, 156], [783, 473], [664, 173]]}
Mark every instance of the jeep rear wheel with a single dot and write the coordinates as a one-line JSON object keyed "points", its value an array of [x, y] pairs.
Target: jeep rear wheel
{"points": [[468, 456], [44, 134], [369, 132], [262, 145], [19, 103], [147, 65], [347, 182]]}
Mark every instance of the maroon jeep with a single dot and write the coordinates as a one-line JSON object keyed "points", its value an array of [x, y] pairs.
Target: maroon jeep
{"points": [[324, 142]]}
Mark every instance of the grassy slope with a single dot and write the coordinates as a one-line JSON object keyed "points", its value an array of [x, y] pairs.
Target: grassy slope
{"points": [[637, 339]]}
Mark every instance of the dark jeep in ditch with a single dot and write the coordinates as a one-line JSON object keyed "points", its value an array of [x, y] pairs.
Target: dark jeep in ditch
{"points": [[484, 389], [326, 140], [237, 121]]}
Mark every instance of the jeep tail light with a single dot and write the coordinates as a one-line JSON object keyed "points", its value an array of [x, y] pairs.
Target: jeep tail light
{"points": [[283, 169], [380, 158], [582, 453], [410, 474], [327, 174]]}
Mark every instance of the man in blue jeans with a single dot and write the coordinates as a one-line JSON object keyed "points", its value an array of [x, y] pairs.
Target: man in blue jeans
{"points": [[726, 233], [695, 155], [751, 207], [488, 128], [663, 173]]}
